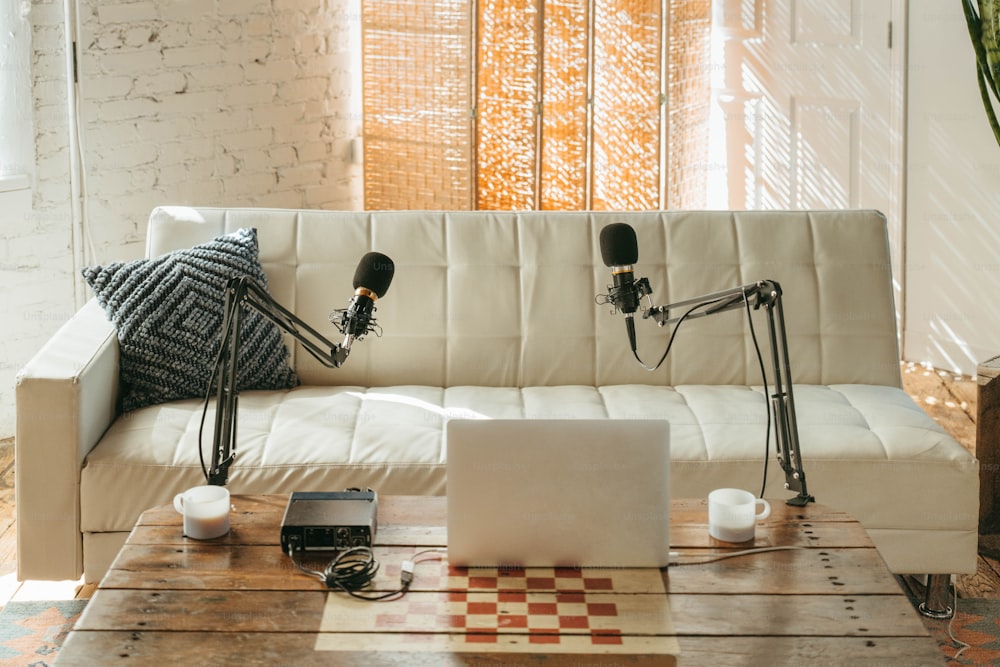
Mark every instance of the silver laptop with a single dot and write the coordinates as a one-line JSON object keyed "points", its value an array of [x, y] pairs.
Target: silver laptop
{"points": [[558, 493]]}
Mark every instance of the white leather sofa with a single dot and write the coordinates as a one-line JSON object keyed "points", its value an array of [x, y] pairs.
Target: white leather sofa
{"points": [[494, 314]]}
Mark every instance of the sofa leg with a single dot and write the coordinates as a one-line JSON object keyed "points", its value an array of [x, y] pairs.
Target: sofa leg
{"points": [[937, 597]]}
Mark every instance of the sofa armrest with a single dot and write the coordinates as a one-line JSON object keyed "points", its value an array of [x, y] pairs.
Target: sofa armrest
{"points": [[66, 396]]}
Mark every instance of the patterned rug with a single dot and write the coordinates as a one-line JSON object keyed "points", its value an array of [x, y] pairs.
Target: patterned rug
{"points": [[31, 633], [976, 623]]}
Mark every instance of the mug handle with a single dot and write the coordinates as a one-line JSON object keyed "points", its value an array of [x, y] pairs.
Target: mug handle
{"points": [[179, 503], [764, 513]]}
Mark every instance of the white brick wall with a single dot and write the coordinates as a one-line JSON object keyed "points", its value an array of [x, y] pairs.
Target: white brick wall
{"points": [[35, 274], [228, 103], [232, 103]]}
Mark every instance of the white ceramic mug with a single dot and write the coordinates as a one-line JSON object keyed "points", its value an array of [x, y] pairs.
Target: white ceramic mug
{"points": [[205, 510], [732, 514]]}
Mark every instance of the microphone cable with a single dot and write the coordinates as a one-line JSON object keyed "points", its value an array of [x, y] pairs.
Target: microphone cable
{"points": [[677, 325], [760, 362], [767, 407]]}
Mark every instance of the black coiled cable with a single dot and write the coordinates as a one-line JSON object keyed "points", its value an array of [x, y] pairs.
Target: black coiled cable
{"points": [[351, 571]]}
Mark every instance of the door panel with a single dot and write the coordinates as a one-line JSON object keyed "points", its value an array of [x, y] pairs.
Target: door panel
{"points": [[810, 95], [827, 142], [818, 74]]}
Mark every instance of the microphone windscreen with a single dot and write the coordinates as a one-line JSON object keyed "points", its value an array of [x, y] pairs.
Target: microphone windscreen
{"points": [[618, 245], [374, 273]]}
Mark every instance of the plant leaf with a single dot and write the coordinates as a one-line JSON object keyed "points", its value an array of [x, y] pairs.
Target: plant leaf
{"points": [[989, 12], [985, 44]]}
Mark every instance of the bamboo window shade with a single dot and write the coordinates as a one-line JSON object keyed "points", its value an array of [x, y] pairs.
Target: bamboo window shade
{"points": [[535, 104]]}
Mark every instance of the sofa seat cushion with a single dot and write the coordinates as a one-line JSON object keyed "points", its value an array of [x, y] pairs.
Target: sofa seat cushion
{"points": [[855, 439]]}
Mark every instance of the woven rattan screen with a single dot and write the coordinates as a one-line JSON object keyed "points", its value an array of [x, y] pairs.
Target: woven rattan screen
{"points": [[535, 104], [688, 92], [627, 105], [416, 104], [508, 88]]}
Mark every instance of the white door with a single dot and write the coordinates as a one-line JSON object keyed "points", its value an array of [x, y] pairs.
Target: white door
{"points": [[810, 95]]}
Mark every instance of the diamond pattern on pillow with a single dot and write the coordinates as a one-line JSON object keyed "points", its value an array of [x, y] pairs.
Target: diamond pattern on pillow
{"points": [[168, 312]]}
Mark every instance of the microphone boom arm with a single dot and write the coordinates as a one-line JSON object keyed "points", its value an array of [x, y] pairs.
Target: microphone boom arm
{"points": [[242, 291], [764, 294]]}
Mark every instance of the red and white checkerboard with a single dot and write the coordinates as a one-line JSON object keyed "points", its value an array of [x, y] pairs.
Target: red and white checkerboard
{"points": [[510, 609]]}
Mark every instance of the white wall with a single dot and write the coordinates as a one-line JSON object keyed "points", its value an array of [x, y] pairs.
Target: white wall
{"points": [[952, 300], [227, 103], [34, 278]]}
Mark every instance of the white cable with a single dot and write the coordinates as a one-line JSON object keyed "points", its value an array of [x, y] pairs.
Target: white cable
{"points": [[82, 242], [954, 613], [723, 556]]}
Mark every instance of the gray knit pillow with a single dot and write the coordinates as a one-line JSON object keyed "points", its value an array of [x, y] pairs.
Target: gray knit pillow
{"points": [[168, 312]]}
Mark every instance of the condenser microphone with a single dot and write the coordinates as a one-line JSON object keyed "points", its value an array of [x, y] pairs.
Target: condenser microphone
{"points": [[620, 250], [371, 281]]}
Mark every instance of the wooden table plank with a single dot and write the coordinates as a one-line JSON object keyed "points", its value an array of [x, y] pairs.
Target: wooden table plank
{"points": [[809, 571], [283, 612], [199, 648], [771, 651], [797, 615], [807, 534], [204, 567], [206, 611], [815, 571], [695, 510], [191, 648]]}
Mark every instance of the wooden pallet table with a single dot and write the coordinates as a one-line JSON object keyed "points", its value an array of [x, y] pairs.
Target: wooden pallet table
{"points": [[239, 600]]}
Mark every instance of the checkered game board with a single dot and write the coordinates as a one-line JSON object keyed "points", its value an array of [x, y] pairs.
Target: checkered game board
{"points": [[514, 609]]}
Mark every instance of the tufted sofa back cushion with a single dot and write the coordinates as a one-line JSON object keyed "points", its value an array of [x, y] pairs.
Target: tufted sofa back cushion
{"points": [[508, 298]]}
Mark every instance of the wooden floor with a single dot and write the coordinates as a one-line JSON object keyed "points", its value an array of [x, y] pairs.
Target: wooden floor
{"points": [[949, 399]]}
